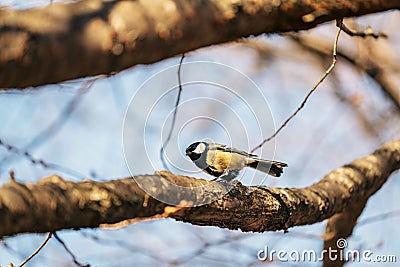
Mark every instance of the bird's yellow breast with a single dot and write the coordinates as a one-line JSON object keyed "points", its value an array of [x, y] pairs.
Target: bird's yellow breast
{"points": [[221, 160]]}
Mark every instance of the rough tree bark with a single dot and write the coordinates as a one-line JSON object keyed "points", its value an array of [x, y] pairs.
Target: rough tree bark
{"points": [[53, 203], [68, 41]]}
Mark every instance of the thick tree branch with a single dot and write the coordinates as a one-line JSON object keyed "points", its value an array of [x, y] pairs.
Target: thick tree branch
{"points": [[341, 225], [68, 41], [53, 203]]}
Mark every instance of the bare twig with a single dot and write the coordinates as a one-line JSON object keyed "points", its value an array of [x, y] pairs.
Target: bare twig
{"points": [[37, 250], [382, 76], [125, 245], [57, 124], [309, 93], [12, 175], [41, 162], [379, 217], [51, 130], [366, 221], [178, 99], [12, 250], [366, 33], [320, 49], [205, 247], [69, 251]]}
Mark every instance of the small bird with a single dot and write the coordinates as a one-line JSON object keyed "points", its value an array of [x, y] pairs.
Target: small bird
{"points": [[226, 162]]}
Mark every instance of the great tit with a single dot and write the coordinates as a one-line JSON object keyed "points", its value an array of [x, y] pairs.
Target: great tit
{"points": [[226, 162]]}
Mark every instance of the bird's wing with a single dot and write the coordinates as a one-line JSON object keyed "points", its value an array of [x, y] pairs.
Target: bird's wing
{"points": [[234, 150]]}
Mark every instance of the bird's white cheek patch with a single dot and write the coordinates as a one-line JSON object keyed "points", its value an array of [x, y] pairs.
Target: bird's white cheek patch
{"points": [[200, 148]]}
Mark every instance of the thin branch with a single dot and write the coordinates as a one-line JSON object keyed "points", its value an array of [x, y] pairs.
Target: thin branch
{"points": [[44, 164], [379, 217], [309, 93], [56, 125], [37, 250], [366, 33], [69, 251], [51, 130], [368, 66], [321, 52], [17, 252], [125, 245], [178, 99], [203, 249]]}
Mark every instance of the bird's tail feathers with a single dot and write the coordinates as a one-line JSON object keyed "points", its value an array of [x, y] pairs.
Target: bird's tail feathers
{"points": [[274, 168]]}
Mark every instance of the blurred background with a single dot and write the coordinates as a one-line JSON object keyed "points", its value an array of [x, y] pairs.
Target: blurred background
{"points": [[237, 94]]}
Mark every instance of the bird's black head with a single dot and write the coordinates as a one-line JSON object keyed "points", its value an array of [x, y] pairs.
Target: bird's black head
{"points": [[195, 150]]}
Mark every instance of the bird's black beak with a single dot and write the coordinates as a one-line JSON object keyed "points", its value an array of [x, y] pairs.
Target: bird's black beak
{"points": [[188, 152]]}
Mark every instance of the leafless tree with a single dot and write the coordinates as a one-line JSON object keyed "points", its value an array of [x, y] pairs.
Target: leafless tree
{"points": [[100, 41]]}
